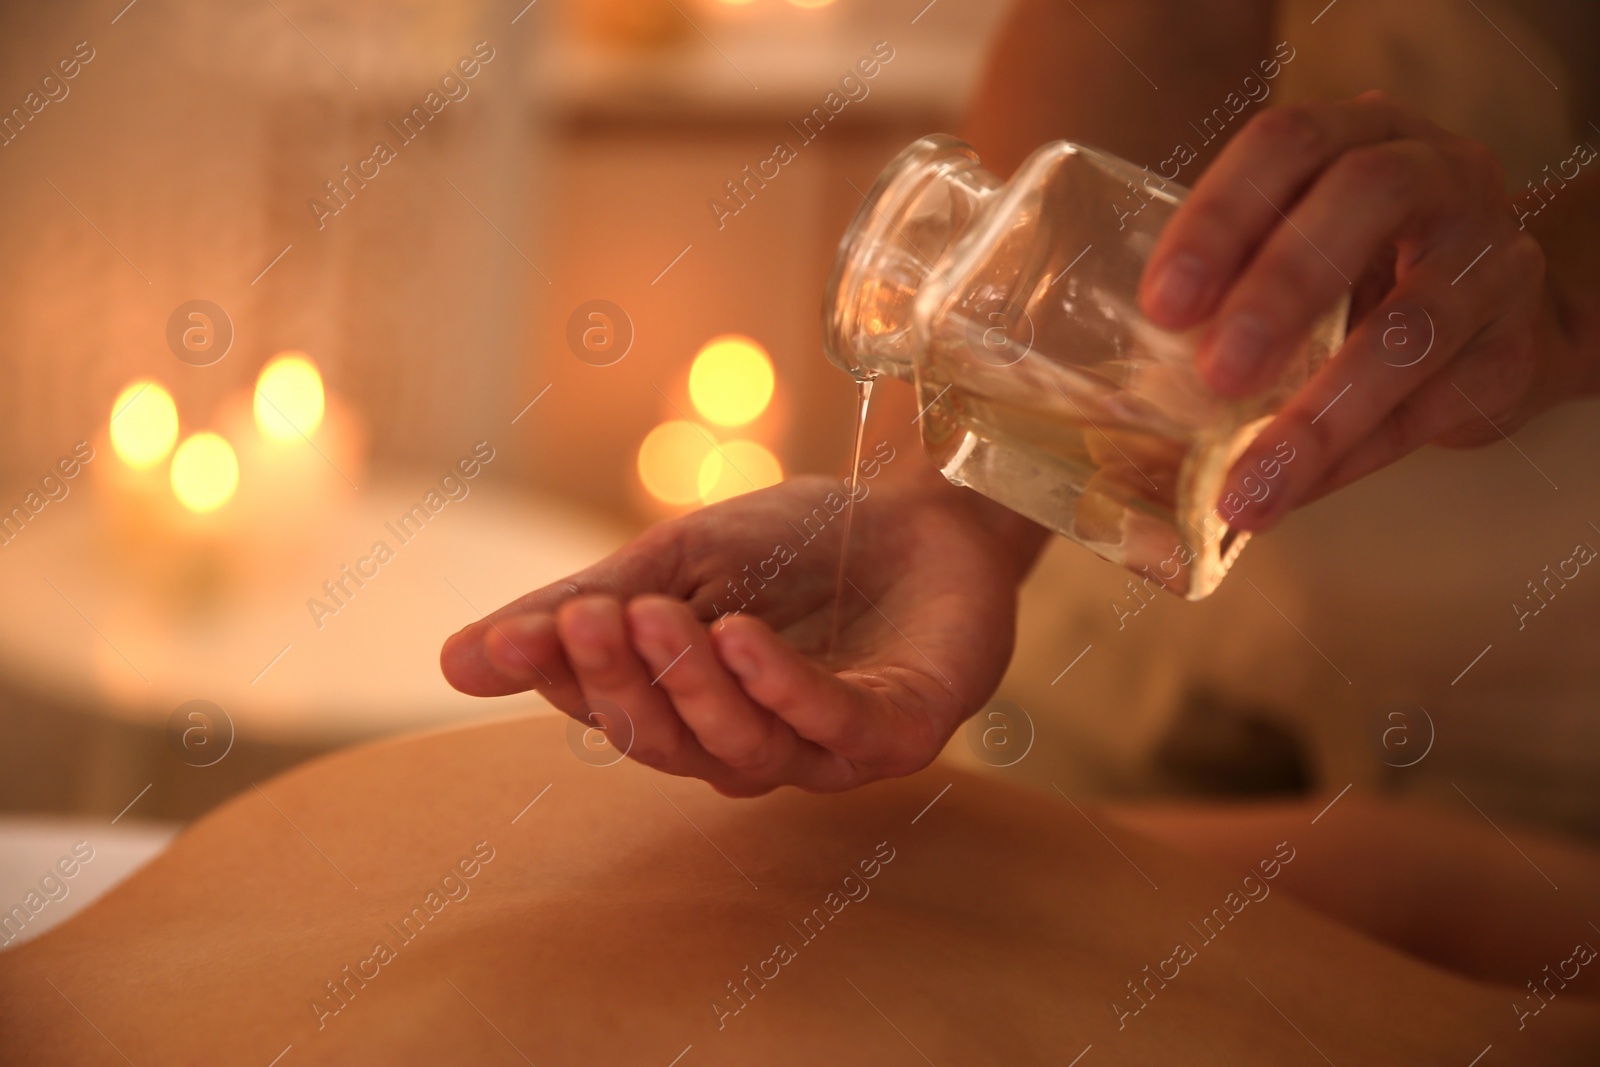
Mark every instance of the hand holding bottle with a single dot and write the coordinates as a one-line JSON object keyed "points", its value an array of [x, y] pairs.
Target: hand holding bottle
{"points": [[1457, 337]]}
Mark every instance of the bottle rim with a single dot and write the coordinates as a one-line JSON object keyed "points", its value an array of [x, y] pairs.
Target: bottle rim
{"points": [[873, 224]]}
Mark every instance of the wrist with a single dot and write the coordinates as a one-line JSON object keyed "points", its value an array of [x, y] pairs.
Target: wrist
{"points": [[1017, 540], [1567, 348], [916, 482], [1569, 320]]}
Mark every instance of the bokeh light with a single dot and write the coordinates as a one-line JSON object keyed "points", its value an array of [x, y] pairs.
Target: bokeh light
{"points": [[289, 401], [731, 380], [741, 466], [144, 424], [671, 459], [205, 472]]}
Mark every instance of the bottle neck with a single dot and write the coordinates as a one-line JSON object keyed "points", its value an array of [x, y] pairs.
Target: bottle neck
{"points": [[921, 206]]}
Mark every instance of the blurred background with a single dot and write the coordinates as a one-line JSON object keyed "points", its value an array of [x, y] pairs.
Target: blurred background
{"points": [[205, 242], [480, 281]]}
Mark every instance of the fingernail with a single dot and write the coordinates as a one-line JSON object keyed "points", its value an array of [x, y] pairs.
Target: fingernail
{"points": [[1177, 287], [653, 626], [587, 621], [740, 661], [508, 643], [1241, 348], [1251, 513]]}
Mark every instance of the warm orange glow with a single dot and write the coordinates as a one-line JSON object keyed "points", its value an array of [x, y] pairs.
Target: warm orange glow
{"points": [[289, 400], [731, 380], [810, 3], [737, 3], [144, 424], [671, 459], [205, 472], [740, 467]]}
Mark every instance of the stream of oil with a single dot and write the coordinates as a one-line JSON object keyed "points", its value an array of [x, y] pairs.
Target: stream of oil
{"points": [[863, 399]]}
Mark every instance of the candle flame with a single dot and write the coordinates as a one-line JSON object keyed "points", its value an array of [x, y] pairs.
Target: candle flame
{"points": [[737, 467], [205, 472], [289, 401], [671, 459], [731, 380], [144, 424]]}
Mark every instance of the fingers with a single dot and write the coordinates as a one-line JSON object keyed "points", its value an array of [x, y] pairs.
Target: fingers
{"points": [[1238, 201], [713, 706], [526, 651], [1367, 398], [1357, 208], [656, 665], [843, 717], [1306, 202], [609, 672], [480, 661], [490, 659], [1464, 405]]}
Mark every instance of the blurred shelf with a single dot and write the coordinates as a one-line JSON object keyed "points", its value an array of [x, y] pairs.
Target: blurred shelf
{"points": [[741, 67]]}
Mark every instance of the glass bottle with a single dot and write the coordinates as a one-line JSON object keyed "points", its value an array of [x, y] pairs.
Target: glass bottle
{"points": [[1011, 307]]}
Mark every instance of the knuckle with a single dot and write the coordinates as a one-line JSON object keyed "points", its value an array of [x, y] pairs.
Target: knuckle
{"points": [[1284, 291], [747, 753], [1481, 161], [601, 682], [1381, 98], [1216, 222], [1296, 274], [1527, 259], [1384, 169], [1298, 130], [1312, 436], [682, 681]]}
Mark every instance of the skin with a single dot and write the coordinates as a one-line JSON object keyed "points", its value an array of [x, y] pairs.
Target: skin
{"points": [[755, 700], [1298, 200], [610, 914], [1369, 191]]}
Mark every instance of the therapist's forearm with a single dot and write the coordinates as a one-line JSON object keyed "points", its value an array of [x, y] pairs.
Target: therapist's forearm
{"points": [[1124, 77], [1568, 229], [1051, 74]]}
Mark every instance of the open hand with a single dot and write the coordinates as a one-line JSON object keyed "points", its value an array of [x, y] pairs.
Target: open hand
{"points": [[709, 634]]}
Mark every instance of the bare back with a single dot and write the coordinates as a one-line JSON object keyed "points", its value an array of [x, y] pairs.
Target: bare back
{"points": [[483, 896]]}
